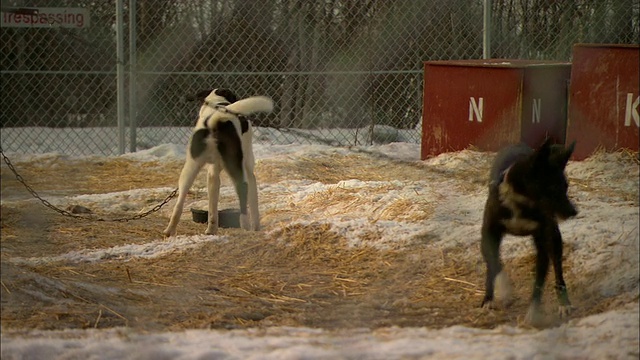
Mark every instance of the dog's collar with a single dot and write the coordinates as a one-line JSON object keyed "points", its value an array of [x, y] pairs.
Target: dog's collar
{"points": [[222, 107], [502, 177], [217, 105]]}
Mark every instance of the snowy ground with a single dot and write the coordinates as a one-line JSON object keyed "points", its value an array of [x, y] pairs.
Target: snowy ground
{"points": [[612, 335], [604, 241]]}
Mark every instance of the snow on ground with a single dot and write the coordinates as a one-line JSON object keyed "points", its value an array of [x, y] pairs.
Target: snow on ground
{"points": [[612, 335], [604, 235]]}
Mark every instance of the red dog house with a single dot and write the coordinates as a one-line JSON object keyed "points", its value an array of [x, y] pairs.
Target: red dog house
{"points": [[492, 103], [603, 98]]}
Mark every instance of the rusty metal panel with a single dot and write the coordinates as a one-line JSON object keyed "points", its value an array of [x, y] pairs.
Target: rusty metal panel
{"points": [[491, 103], [461, 106], [603, 98]]}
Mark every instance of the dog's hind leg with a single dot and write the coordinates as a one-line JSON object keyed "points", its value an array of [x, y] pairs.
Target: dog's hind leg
{"points": [[235, 170], [213, 190], [187, 176], [248, 168], [242, 190], [555, 252], [231, 148], [252, 198]]}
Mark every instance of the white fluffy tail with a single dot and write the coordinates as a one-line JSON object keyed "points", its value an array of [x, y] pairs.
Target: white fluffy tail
{"points": [[252, 105]]}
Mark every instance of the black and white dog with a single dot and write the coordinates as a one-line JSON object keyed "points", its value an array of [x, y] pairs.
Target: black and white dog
{"points": [[222, 138], [527, 196]]}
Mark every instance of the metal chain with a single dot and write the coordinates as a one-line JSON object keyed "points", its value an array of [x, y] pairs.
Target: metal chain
{"points": [[223, 109], [67, 213]]}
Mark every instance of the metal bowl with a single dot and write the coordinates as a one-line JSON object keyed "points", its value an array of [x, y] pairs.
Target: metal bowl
{"points": [[200, 216], [227, 218]]}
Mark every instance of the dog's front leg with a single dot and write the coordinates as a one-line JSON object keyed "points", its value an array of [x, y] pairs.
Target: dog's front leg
{"points": [[492, 233], [496, 278], [213, 190], [535, 316], [187, 176], [555, 252]]}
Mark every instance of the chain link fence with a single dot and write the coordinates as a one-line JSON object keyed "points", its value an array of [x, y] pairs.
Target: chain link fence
{"points": [[341, 72]]}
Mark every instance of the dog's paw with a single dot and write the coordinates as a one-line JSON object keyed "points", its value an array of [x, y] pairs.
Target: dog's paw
{"points": [[488, 305], [565, 310], [212, 229], [503, 289], [169, 232], [244, 222], [536, 317]]}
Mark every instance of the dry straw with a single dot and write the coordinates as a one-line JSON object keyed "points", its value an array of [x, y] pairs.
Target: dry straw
{"points": [[291, 274]]}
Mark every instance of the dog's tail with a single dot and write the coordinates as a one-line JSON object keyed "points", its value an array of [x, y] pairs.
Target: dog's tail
{"points": [[252, 105]]}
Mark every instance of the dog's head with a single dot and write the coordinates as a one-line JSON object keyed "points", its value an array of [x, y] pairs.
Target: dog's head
{"points": [[560, 155], [214, 96], [540, 177]]}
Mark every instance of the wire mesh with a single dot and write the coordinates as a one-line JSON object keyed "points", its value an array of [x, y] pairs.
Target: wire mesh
{"points": [[333, 67]]}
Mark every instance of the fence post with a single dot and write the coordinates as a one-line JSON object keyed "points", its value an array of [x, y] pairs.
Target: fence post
{"points": [[120, 74], [132, 77], [486, 31]]}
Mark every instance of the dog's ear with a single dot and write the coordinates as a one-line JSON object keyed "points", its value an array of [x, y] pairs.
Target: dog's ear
{"points": [[199, 96], [546, 144], [571, 147], [545, 150], [562, 155], [541, 156], [227, 94]]}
